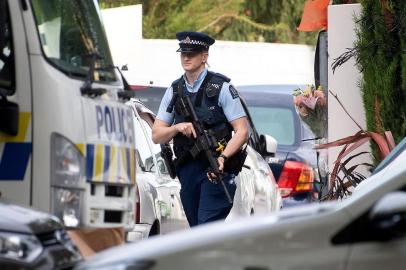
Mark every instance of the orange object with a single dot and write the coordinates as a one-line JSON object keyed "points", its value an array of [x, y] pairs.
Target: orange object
{"points": [[314, 16], [90, 241]]}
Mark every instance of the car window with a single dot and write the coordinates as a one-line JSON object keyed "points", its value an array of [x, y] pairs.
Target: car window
{"points": [[151, 97], [392, 155], [144, 155], [278, 122], [156, 149]]}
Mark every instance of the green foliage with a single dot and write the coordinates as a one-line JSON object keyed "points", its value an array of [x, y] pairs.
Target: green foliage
{"points": [[239, 20], [339, 2], [381, 49], [116, 3]]}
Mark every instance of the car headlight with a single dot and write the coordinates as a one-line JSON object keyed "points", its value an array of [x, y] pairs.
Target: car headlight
{"points": [[67, 163], [19, 247], [67, 205], [67, 180]]}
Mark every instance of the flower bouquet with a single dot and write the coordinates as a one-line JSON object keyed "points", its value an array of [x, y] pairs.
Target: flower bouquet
{"points": [[311, 105]]}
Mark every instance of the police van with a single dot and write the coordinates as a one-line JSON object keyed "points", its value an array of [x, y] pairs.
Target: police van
{"points": [[66, 138]]}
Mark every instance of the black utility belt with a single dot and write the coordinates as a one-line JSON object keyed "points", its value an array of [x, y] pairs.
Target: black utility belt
{"points": [[233, 164]]}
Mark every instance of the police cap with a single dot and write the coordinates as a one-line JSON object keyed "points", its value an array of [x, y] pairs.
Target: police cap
{"points": [[193, 41]]}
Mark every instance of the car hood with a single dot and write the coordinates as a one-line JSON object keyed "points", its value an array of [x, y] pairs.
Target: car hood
{"points": [[14, 218], [204, 235]]}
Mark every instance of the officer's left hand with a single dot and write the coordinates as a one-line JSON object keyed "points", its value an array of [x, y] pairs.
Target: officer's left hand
{"points": [[221, 160], [212, 177]]}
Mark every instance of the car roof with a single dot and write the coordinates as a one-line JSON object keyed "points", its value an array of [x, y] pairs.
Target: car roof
{"points": [[274, 88], [268, 99]]}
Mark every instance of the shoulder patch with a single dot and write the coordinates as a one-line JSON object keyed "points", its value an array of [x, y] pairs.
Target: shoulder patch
{"points": [[233, 92]]}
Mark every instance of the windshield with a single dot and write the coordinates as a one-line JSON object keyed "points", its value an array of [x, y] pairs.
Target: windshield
{"points": [[278, 122], [73, 38]]}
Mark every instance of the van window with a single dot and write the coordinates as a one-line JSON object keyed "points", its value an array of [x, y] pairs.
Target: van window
{"points": [[7, 68], [73, 38]]}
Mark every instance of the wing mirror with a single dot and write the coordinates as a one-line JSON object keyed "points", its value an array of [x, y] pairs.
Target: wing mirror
{"points": [[268, 144], [388, 216], [8, 116]]}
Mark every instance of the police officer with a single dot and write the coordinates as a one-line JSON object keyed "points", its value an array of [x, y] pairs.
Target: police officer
{"points": [[217, 104]]}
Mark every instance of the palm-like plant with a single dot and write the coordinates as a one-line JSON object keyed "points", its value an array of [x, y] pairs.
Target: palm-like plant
{"points": [[342, 177]]}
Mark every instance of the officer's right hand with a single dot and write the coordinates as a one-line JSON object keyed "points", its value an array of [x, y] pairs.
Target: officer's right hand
{"points": [[186, 129]]}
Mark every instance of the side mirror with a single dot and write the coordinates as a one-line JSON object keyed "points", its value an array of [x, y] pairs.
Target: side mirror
{"points": [[167, 154], [268, 144], [8, 116], [388, 216]]}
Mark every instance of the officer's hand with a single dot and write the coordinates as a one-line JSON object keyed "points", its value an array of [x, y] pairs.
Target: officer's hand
{"points": [[212, 177], [221, 160], [186, 129]]}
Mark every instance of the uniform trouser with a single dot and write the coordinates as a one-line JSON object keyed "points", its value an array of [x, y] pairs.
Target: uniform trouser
{"points": [[202, 200]]}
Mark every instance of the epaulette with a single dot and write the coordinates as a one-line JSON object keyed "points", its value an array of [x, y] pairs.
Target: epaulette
{"points": [[223, 77], [175, 94], [175, 84]]}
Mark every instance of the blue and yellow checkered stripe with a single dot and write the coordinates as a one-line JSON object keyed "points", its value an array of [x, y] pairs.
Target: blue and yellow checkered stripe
{"points": [[109, 163], [16, 152]]}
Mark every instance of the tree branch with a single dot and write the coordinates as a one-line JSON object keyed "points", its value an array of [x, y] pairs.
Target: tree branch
{"points": [[342, 106]]}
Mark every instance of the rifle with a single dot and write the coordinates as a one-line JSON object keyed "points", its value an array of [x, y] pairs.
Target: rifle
{"points": [[205, 141]]}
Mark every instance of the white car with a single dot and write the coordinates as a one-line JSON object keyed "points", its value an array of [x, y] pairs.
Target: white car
{"points": [[365, 231], [257, 191], [159, 208]]}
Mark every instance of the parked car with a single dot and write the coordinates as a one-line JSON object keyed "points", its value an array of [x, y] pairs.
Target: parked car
{"points": [[257, 191], [364, 231], [34, 240], [158, 209], [272, 110]]}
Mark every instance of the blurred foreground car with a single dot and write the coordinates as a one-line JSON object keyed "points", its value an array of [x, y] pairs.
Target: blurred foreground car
{"points": [[364, 231], [33, 240], [273, 112]]}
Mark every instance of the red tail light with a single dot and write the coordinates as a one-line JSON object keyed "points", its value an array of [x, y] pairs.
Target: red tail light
{"points": [[137, 206], [296, 177], [138, 87]]}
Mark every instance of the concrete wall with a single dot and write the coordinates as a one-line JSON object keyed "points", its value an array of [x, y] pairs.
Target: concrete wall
{"points": [[123, 26], [244, 62], [345, 81]]}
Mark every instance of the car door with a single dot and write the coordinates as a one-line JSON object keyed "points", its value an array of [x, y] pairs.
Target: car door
{"points": [[15, 107], [172, 213], [152, 182], [378, 234], [371, 248]]}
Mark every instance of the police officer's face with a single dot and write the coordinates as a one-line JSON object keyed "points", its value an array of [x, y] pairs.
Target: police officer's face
{"points": [[193, 61]]}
